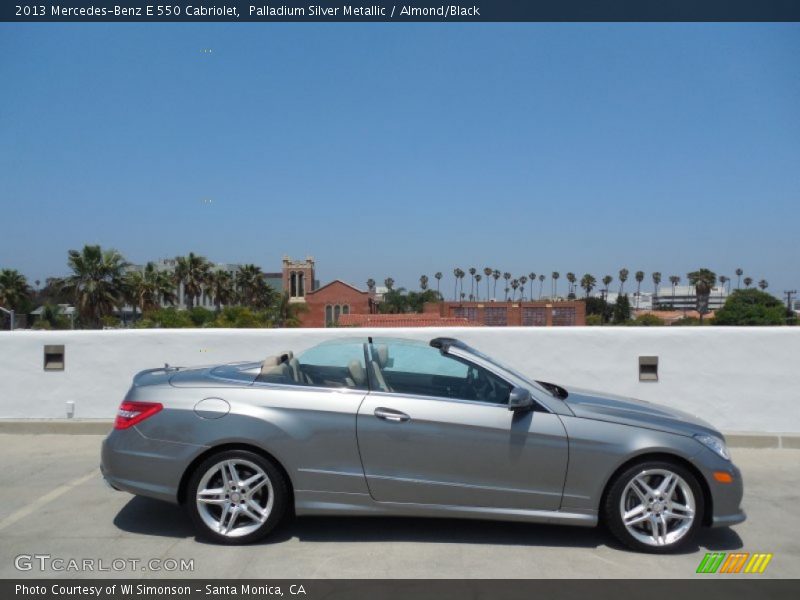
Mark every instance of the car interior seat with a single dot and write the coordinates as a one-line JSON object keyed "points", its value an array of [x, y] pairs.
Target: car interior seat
{"points": [[380, 358]]}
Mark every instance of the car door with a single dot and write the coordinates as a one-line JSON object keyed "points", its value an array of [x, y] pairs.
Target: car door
{"points": [[454, 445]]}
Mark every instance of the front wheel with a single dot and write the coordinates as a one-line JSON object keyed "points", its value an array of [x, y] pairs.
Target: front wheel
{"points": [[654, 506], [237, 497]]}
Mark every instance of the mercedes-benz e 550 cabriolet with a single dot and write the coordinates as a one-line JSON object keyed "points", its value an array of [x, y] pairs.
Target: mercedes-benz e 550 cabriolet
{"points": [[400, 427]]}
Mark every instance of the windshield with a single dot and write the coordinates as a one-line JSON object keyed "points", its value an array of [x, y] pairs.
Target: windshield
{"points": [[532, 382]]}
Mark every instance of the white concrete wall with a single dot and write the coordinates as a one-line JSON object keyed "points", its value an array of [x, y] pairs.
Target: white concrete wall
{"points": [[740, 379]]}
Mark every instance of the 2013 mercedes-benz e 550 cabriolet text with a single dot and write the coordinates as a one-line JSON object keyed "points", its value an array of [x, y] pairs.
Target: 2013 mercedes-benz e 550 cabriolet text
{"points": [[400, 427]]}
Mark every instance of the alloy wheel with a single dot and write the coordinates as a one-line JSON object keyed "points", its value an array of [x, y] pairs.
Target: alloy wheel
{"points": [[234, 497], [657, 507]]}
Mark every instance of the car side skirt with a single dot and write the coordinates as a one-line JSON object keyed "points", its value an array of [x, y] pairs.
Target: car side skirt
{"points": [[332, 503]]}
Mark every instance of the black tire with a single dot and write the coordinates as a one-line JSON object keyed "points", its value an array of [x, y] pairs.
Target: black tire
{"points": [[612, 512], [280, 498]]}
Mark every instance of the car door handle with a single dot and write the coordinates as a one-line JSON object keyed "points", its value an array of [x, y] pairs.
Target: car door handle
{"points": [[389, 414]]}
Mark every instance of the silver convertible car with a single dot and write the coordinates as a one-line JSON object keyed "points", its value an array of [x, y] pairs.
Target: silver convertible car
{"points": [[375, 426]]}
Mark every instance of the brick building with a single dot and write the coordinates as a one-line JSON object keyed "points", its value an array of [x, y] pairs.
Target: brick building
{"points": [[525, 314], [327, 304]]}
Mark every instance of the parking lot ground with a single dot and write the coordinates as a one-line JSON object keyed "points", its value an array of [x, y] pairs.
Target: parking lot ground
{"points": [[55, 503]]}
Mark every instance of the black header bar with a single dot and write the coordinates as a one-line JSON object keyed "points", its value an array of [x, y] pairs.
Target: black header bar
{"points": [[127, 11]]}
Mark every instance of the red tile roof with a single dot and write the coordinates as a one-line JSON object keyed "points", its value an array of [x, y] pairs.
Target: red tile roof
{"points": [[402, 320]]}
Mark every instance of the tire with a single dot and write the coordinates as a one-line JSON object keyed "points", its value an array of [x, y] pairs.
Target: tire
{"points": [[648, 515], [237, 497]]}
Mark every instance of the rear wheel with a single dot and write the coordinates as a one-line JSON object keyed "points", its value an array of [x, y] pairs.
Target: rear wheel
{"points": [[654, 506], [237, 497]]}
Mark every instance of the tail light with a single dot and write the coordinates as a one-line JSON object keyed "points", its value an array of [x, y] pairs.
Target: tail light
{"points": [[131, 413]]}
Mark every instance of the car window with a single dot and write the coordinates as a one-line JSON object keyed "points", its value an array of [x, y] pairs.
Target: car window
{"points": [[330, 364], [419, 369]]}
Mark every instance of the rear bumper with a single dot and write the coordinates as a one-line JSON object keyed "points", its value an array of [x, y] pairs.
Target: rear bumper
{"points": [[133, 463]]}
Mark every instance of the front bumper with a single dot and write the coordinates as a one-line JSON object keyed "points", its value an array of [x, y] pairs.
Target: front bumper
{"points": [[726, 498]]}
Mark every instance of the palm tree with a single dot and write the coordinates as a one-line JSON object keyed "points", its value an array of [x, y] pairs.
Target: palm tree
{"points": [[763, 284], [250, 281], [623, 277], [555, 275], [370, 284], [639, 277], [571, 279], [389, 283], [522, 281], [722, 281], [587, 283], [532, 279], [287, 313], [507, 277], [487, 272], [656, 282], [674, 280], [515, 287], [97, 282], [748, 281], [14, 289], [541, 285], [739, 273], [461, 274], [149, 288], [192, 271], [703, 281], [221, 288], [478, 278], [606, 282], [438, 277], [423, 282], [456, 271], [495, 276], [472, 271]]}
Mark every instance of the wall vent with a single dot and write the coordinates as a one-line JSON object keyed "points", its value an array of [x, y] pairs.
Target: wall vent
{"points": [[648, 368], [54, 358]]}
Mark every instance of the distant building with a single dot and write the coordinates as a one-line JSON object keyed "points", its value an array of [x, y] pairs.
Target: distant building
{"points": [[402, 320], [525, 314], [325, 306], [684, 297]]}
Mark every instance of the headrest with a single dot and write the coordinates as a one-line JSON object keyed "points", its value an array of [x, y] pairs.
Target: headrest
{"points": [[382, 355], [270, 361], [357, 372]]}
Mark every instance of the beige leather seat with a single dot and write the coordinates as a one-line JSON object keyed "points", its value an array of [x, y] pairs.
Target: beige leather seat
{"points": [[358, 375], [380, 358], [274, 369]]}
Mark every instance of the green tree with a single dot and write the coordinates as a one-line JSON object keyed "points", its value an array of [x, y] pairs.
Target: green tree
{"points": [[763, 284], [478, 279], [656, 282], [739, 273], [588, 282], [751, 307], [555, 275], [285, 313], [623, 277], [622, 310], [647, 320], [703, 281], [607, 282], [222, 289], [748, 281], [495, 276], [438, 277], [149, 288], [571, 279], [96, 285], [487, 272], [522, 281], [639, 277], [541, 285], [15, 292], [423, 282], [370, 284], [192, 272], [472, 271]]}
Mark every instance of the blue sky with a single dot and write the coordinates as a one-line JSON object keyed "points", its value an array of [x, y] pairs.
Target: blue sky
{"points": [[397, 150]]}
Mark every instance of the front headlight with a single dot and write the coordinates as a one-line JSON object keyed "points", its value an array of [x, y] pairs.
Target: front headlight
{"points": [[714, 443]]}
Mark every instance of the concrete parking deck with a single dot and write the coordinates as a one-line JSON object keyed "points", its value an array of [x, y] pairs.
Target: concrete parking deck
{"points": [[53, 502]]}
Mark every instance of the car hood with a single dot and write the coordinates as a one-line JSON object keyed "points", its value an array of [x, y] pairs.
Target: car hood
{"points": [[638, 413]]}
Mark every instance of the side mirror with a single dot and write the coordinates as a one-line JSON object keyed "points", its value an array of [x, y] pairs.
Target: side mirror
{"points": [[520, 399]]}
